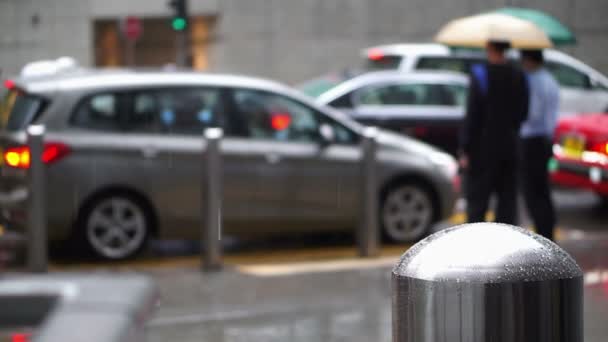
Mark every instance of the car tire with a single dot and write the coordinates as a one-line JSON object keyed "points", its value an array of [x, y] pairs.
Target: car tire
{"points": [[407, 212], [114, 226]]}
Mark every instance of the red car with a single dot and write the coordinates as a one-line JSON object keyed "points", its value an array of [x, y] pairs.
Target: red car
{"points": [[581, 153]]}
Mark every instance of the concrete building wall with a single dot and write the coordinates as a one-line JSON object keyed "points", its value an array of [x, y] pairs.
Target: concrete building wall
{"points": [[40, 29], [298, 40], [290, 40]]}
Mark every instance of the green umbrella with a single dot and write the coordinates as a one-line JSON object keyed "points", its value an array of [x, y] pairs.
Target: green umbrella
{"points": [[555, 30]]}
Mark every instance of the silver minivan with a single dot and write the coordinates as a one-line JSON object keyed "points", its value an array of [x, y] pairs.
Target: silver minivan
{"points": [[124, 154]]}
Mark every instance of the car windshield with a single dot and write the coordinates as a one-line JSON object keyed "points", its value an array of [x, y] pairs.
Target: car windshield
{"points": [[18, 109], [320, 85]]}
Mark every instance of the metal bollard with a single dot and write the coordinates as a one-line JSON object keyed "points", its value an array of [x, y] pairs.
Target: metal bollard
{"points": [[487, 282], [37, 255], [212, 200], [367, 234]]}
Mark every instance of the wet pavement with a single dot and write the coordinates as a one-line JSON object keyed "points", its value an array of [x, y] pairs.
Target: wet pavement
{"points": [[316, 305], [315, 289], [344, 299]]}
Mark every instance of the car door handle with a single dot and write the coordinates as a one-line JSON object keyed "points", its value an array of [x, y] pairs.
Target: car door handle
{"points": [[149, 152], [273, 158]]}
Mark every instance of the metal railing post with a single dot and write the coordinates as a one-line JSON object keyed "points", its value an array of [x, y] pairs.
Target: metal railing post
{"points": [[367, 230], [487, 282], [37, 244], [212, 194]]}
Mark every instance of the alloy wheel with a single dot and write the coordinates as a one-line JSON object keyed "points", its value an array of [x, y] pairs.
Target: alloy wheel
{"points": [[407, 213], [116, 228]]}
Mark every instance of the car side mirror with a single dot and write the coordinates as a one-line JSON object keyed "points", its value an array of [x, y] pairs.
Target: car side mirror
{"points": [[327, 134]]}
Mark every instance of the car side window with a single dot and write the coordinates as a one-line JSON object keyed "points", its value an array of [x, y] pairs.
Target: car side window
{"points": [[274, 117], [568, 76], [414, 94], [181, 111], [456, 94], [342, 134], [344, 101], [100, 112]]}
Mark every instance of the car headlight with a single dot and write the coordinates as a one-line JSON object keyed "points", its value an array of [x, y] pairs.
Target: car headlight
{"points": [[445, 163]]}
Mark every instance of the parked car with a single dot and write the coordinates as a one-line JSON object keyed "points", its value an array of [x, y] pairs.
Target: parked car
{"points": [[323, 83], [123, 151], [581, 153], [582, 89], [426, 105]]}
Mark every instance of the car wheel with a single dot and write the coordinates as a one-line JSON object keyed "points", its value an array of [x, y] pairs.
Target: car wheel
{"points": [[407, 212], [115, 227]]}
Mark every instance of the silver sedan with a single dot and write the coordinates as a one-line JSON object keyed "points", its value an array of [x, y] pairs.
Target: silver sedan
{"points": [[124, 154]]}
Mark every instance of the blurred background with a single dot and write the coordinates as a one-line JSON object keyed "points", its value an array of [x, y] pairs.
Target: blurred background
{"points": [[131, 93], [291, 41]]}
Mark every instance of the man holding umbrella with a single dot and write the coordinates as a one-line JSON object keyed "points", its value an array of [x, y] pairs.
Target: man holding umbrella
{"points": [[496, 107]]}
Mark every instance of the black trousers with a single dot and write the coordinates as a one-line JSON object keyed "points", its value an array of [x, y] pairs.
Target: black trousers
{"points": [[535, 154], [489, 177]]}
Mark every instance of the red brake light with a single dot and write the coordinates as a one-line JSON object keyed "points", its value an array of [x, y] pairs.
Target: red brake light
{"points": [[20, 337], [601, 148], [280, 121], [375, 54], [9, 84], [54, 151], [19, 157]]}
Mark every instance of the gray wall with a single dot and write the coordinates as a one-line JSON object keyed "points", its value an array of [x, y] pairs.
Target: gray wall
{"points": [[290, 40], [294, 40], [63, 29]]}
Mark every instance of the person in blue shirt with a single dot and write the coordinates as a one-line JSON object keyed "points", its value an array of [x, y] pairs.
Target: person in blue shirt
{"points": [[536, 135]]}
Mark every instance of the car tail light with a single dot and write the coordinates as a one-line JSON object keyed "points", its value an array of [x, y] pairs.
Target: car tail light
{"points": [[19, 157], [9, 84], [20, 337], [601, 148], [375, 54]]}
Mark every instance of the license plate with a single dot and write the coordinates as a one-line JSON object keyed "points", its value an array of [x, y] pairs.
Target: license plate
{"points": [[573, 146]]}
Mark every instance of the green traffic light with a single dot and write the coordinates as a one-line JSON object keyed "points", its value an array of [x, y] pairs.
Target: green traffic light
{"points": [[178, 24]]}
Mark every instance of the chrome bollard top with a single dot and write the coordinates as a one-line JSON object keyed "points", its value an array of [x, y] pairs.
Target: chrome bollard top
{"points": [[486, 253]]}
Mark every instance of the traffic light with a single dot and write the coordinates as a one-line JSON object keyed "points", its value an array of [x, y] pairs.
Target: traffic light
{"points": [[179, 21]]}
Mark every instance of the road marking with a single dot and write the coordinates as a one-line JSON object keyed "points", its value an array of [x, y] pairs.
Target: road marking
{"points": [[458, 218], [260, 257], [461, 217], [215, 317], [316, 267]]}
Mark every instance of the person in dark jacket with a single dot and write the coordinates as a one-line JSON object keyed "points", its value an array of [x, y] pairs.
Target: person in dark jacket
{"points": [[537, 140], [496, 107]]}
